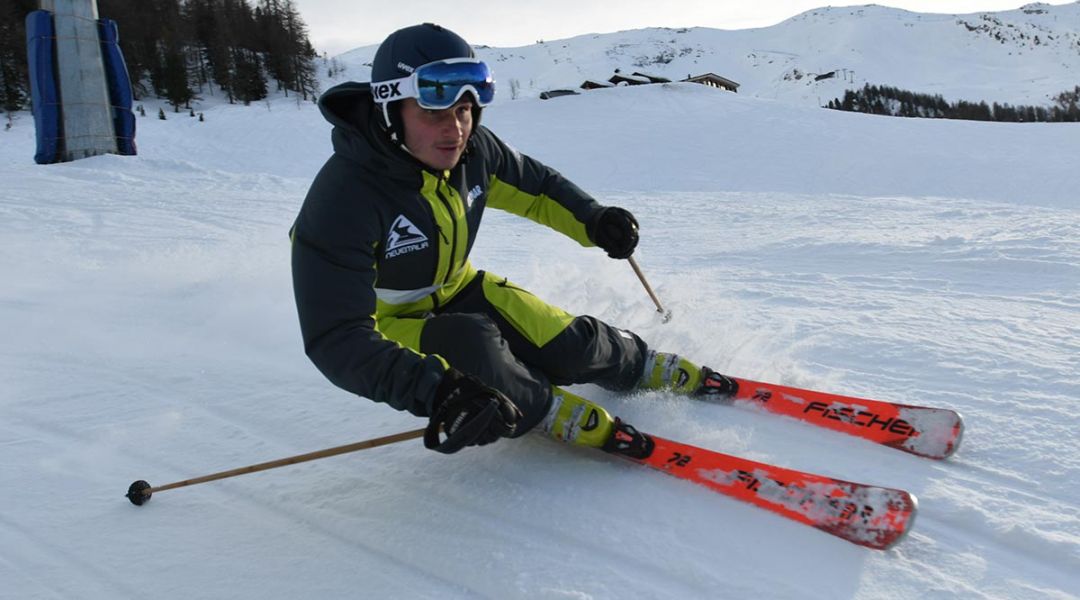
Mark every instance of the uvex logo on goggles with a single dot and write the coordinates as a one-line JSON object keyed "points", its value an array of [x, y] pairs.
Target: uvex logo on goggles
{"points": [[440, 84], [385, 92]]}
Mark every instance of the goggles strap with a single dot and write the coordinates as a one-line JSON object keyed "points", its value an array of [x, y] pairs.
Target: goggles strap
{"points": [[385, 106]]}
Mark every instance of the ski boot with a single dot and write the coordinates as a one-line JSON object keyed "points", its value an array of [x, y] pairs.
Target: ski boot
{"points": [[668, 371], [575, 420]]}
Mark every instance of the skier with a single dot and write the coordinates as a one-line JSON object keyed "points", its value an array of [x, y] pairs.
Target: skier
{"points": [[391, 308]]}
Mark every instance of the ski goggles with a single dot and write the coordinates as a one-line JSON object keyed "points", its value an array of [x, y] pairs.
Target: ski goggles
{"points": [[440, 84]]}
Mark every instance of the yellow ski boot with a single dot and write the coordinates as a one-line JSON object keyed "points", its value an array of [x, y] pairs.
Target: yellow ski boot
{"points": [[667, 371], [576, 420]]}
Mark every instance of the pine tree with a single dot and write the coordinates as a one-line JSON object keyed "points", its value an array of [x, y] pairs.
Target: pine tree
{"points": [[174, 85], [301, 53], [250, 83]]}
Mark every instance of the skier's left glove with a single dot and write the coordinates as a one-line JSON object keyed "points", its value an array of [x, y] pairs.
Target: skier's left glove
{"points": [[615, 230], [469, 413]]}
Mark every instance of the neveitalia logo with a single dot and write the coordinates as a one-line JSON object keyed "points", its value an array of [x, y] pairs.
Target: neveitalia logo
{"points": [[405, 237]]}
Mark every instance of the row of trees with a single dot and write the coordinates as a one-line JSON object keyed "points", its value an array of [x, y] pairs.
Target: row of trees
{"points": [[182, 49], [14, 77], [885, 100]]}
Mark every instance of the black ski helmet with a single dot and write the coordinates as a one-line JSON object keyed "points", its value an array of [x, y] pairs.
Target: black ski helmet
{"points": [[405, 50]]}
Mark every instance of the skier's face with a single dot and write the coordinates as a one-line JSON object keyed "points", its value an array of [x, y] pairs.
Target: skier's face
{"points": [[437, 137]]}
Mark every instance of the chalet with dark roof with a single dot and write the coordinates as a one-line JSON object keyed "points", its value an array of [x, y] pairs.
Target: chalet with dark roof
{"points": [[714, 80]]}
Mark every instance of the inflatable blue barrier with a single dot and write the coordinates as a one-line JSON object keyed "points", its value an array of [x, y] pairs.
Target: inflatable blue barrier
{"points": [[116, 74], [45, 93], [45, 96]]}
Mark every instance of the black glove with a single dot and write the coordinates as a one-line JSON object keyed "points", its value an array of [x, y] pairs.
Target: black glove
{"points": [[615, 230], [469, 413]]}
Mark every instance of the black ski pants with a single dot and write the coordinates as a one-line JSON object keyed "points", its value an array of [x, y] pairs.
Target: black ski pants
{"points": [[520, 345]]}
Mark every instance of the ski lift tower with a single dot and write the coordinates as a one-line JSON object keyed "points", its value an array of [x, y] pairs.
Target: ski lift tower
{"points": [[87, 115]]}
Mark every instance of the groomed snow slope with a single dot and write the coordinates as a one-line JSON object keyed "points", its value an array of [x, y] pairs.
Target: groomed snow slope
{"points": [[149, 332]]}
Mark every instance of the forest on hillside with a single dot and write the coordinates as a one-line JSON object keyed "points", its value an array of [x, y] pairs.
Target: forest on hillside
{"points": [[183, 49], [892, 101]]}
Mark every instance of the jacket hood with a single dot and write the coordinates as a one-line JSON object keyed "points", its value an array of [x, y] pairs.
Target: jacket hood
{"points": [[350, 108]]}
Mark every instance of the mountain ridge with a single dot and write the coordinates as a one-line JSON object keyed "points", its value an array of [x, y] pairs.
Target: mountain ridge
{"points": [[1022, 56]]}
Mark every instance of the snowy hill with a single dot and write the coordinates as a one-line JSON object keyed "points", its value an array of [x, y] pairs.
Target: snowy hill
{"points": [[1023, 56], [149, 333]]}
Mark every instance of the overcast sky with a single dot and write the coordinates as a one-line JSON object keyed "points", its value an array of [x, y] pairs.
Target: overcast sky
{"points": [[340, 25]]}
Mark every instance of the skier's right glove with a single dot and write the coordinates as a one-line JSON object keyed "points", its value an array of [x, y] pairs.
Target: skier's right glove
{"points": [[469, 413]]}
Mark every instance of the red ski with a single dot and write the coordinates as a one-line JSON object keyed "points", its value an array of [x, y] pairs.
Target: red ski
{"points": [[866, 515], [920, 430]]}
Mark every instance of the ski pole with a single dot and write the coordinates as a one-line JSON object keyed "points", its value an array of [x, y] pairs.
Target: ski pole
{"points": [[140, 491], [659, 307]]}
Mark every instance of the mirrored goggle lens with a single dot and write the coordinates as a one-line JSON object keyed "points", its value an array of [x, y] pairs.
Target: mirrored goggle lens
{"points": [[440, 85]]}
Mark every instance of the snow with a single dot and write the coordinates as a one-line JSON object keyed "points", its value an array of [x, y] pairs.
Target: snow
{"points": [[149, 333], [1024, 56]]}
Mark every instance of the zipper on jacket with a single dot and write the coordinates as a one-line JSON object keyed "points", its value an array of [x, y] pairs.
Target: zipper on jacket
{"points": [[442, 234], [505, 283], [453, 246], [435, 294], [435, 268]]}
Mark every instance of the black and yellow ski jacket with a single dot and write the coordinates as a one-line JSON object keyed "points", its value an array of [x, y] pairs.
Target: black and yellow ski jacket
{"points": [[383, 241]]}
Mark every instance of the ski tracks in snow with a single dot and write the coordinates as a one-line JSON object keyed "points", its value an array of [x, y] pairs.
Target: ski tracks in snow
{"points": [[964, 304]]}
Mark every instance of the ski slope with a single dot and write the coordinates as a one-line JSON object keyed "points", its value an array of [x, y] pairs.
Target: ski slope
{"points": [[149, 333]]}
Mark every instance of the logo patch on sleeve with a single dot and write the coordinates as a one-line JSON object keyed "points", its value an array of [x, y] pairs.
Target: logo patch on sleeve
{"points": [[405, 237]]}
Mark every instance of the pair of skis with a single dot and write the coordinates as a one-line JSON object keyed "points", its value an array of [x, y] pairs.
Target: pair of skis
{"points": [[867, 515]]}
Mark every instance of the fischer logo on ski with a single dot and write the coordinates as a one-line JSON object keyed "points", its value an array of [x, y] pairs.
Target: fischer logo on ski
{"points": [[919, 430], [861, 418]]}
